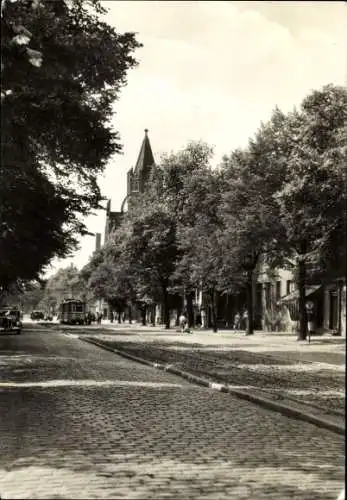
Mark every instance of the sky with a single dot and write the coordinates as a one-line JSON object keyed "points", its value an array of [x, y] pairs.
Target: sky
{"points": [[213, 71]]}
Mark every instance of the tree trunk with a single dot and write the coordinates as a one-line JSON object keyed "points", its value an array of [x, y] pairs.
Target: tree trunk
{"points": [[302, 295], [249, 299], [143, 315], [166, 308], [119, 314], [130, 313], [152, 314], [109, 311], [190, 310], [214, 310]]}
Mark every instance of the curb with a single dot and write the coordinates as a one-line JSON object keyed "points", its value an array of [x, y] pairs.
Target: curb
{"points": [[285, 409]]}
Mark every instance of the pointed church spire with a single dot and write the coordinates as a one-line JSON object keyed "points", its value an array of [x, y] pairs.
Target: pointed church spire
{"points": [[145, 159]]}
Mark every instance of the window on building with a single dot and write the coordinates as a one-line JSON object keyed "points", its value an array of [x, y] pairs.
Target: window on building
{"points": [[289, 286], [278, 290], [135, 185]]}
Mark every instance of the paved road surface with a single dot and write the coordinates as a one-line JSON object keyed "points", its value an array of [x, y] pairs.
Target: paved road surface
{"points": [[79, 422]]}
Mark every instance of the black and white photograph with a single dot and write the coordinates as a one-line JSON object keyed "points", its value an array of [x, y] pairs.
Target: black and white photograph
{"points": [[173, 249]]}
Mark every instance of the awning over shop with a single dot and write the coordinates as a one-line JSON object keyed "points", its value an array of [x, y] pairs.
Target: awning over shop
{"points": [[309, 290]]}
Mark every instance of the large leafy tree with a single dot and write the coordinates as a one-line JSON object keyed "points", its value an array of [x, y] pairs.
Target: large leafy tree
{"points": [[185, 184], [286, 194], [108, 274], [151, 251], [142, 255], [199, 228], [313, 198], [62, 70], [249, 210]]}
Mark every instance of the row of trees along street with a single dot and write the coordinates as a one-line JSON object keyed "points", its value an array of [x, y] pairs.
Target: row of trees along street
{"points": [[62, 70], [283, 196]]}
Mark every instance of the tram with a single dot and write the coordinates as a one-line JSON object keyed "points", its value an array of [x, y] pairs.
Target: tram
{"points": [[73, 312]]}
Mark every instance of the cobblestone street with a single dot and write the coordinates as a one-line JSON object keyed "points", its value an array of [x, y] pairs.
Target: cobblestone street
{"points": [[79, 422]]}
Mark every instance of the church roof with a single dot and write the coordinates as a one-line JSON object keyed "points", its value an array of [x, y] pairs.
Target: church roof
{"points": [[145, 158]]}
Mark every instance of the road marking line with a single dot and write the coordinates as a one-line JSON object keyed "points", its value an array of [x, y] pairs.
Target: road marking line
{"points": [[87, 383]]}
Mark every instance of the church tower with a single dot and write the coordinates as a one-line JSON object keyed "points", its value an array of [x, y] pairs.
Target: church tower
{"points": [[137, 178]]}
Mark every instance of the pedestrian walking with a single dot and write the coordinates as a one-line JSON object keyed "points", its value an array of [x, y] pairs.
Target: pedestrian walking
{"points": [[183, 322], [245, 319], [203, 318], [237, 321]]}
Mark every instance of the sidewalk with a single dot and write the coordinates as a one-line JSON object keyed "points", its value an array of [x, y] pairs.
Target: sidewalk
{"points": [[308, 377], [281, 345]]}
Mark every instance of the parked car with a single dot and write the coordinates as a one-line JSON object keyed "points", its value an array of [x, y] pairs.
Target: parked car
{"points": [[10, 320], [37, 315]]}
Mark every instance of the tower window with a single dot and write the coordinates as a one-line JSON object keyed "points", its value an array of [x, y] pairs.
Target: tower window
{"points": [[135, 185]]}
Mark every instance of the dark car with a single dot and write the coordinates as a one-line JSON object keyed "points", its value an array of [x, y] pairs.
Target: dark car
{"points": [[10, 320], [37, 315]]}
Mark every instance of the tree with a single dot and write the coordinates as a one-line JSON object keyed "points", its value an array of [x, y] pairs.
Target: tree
{"points": [[249, 209], [65, 283], [313, 198], [31, 216], [152, 252], [108, 274], [199, 231], [286, 195], [182, 183], [24, 295], [56, 132]]}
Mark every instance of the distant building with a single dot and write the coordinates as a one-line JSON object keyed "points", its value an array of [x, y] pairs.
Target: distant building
{"points": [[137, 179]]}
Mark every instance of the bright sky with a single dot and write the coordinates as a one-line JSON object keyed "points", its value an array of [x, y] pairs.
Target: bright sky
{"points": [[213, 71]]}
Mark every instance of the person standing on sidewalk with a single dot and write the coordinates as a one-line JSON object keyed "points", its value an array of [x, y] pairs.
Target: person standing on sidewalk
{"points": [[237, 321], [245, 319], [183, 322], [99, 318], [203, 318]]}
